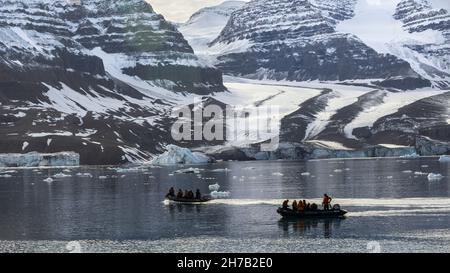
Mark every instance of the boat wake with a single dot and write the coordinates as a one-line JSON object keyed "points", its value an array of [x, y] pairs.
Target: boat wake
{"points": [[362, 207]]}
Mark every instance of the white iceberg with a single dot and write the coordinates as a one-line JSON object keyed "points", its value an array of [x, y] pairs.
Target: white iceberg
{"points": [[305, 174], [413, 155], [84, 175], [34, 159], [220, 194], [188, 170], [214, 187], [277, 174], [177, 155], [5, 176], [61, 175], [444, 158], [48, 180], [435, 177]]}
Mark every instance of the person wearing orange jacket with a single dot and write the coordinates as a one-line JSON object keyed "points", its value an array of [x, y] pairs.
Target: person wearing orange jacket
{"points": [[326, 202]]}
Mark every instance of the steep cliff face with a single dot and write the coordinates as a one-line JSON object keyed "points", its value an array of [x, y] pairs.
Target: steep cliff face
{"points": [[297, 40], [431, 58], [86, 76]]}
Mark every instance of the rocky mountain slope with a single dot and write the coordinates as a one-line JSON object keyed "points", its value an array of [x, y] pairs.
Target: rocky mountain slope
{"points": [[94, 77], [298, 40]]}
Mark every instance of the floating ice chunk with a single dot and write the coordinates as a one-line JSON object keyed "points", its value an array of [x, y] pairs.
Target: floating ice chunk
{"points": [[305, 174], [220, 194], [390, 177], [277, 174], [220, 170], [25, 145], [61, 175], [338, 171], [189, 170], [177, 155], [84, 175], [102, 177], [424, 166], [435, 177], [128, 170], [48, 180], [420, 173], [413, 155], [214, 187], [407, 171], [5, 176], [444, 158]]}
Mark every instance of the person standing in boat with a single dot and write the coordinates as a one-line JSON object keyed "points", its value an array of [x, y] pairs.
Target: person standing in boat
{"points": [[326, 202], [198, 195], [286, 204]]}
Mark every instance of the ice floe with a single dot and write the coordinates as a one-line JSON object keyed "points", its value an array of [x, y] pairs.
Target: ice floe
{"points": [[435, 177], [444, 158], [177, 155]]}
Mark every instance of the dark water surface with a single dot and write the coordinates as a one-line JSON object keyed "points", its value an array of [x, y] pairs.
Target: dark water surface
{"points": [[392, 208]]}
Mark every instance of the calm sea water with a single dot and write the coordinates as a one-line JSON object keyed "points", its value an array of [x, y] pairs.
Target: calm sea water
{"points": [[107, 209]]}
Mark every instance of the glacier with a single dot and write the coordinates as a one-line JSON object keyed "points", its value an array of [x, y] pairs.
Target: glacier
{"points": [[35, 159]]}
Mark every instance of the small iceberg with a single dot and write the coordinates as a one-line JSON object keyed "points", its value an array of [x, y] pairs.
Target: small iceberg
{"points": [[435, 177], [48, 180], [277, 174], [188, 170], [305, 174], [84, 175], [413, 155], [444, 159], [214, 187], [61, 175], [220, 194], [5, 176], [176, 155]]}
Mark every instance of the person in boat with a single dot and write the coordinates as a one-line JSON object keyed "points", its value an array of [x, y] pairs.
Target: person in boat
{"points": [[314, 206], [304, 204], [186, 194], [294, 205], [326, 202], [190, 194], [180, 194], [300, 206], [308, 206], [171, 192], [198, 195], [285, 204]]}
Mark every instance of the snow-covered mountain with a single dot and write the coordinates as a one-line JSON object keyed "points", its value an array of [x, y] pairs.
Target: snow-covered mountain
{"points": [[101, 77], [206, 24], [92, 76], [298, 40]]}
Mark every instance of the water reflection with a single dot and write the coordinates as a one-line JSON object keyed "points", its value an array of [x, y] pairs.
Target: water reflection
{"points": [[325, 226]]}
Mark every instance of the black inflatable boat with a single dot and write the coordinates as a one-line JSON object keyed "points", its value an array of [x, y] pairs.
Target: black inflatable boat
{"points": [[333, 213], [204, 199]]}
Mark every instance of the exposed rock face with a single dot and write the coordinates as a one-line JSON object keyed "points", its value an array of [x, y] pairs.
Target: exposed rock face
{"points": [[297, 40], [86, 76], [432, 59]]}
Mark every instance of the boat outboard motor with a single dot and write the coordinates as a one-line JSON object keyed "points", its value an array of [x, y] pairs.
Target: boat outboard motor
{"points": [[337, 207]]}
